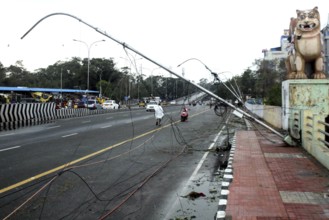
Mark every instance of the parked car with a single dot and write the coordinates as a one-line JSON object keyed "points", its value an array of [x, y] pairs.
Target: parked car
{"points": [[80, 105], [93, 104], [150, 106], [110, 104]]}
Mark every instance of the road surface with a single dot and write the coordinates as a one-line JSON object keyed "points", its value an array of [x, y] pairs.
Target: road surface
{"points": [[114, 166]]}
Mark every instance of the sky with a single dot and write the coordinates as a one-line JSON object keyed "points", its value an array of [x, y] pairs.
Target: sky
{"points": [[226, 36]]}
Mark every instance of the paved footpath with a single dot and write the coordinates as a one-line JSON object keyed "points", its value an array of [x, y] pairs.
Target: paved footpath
{"points": [[272, 180]]}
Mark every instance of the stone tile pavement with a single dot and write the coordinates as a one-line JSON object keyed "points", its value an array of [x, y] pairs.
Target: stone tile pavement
{"points": [[267, 179]]}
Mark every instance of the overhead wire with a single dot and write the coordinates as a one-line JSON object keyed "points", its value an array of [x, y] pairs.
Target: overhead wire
{"points": [[123, 44]]}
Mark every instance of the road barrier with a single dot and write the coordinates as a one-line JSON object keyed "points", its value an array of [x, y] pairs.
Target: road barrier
{"points": [[20, 115], [17, 115]]}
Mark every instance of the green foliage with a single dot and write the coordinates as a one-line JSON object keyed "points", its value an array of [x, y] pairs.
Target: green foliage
{"points": [[2, 75], [115, 83], [262, 83], [274, 96]]}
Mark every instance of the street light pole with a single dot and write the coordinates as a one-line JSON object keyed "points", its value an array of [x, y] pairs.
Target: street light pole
{"points": [[100, 85], [138, 81], [129, 87], [61, 86], [88, 64]]}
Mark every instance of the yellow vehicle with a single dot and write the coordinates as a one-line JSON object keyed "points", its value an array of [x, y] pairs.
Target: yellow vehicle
{"points": [[100, 100], [141, 104], [42, 97], [4, 98]]}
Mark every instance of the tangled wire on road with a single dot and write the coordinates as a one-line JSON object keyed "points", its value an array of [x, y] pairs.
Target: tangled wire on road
{"points": [[220, 108]]}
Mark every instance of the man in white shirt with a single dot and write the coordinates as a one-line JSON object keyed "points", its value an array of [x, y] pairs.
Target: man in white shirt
{"points": [[158, 114]]}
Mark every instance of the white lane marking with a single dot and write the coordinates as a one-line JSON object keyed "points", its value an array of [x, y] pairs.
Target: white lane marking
{"points": [[107, 126], [195, 172], [109, 118], [10, 148], [6, 134], [205, 156], [69, 135], [85, 121], [53, 127]]}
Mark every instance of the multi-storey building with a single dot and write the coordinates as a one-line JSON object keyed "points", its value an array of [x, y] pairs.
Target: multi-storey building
{"points": [[278, 52], [325, 32]]}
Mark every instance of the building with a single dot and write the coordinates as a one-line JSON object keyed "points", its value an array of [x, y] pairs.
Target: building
{"points": [[325, 32], [278, 52]]}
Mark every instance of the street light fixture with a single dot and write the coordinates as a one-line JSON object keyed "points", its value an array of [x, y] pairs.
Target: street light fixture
{"points": [[215, 75], [88, 64]]}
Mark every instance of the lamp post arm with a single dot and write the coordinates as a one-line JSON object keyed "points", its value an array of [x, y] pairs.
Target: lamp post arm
{"points": [[239, 92], [88, 64], [215, 75]]}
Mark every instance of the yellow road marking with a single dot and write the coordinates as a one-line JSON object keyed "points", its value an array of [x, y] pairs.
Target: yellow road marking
{"points": [[84, 158]]}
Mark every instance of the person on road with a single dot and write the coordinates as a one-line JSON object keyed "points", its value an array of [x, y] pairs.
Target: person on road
{"points": [[158, 114]]}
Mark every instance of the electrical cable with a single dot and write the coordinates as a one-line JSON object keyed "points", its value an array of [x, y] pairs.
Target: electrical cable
{"points": [[44, 200], [30, 198], [89, 187], [26, 187], [116, 196], [81, 177], [140, 186], [262, 134]]}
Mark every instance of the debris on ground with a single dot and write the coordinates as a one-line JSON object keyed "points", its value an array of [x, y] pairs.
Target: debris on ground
{"points": [[194, 195]]}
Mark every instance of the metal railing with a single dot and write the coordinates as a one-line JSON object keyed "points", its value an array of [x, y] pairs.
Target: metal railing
{"points": [[325, 133]]}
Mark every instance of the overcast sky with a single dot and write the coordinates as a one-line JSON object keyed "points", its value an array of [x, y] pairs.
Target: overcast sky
{"points": [[224, 35]]}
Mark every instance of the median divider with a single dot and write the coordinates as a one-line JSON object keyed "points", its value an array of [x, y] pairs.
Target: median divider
{"points": [[17, 115]]}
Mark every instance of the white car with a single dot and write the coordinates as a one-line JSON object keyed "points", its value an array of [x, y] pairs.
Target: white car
{"points": [[150, 106], [93, 104], [110, 104]]}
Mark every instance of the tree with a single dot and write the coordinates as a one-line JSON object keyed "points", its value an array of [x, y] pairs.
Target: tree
{"points": [[19, 76], [2, 75], [204, 83], [269, 78], [247, 83]]}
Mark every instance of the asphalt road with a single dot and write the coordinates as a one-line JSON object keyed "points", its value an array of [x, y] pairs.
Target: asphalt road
{"points": [[113, 166]]}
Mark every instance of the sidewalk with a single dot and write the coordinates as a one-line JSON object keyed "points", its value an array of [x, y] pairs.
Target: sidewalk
{"points": [[273, 181]]}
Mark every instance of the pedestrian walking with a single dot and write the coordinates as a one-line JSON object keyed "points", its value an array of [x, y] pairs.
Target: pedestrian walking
{"points": [[158, 114]]}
